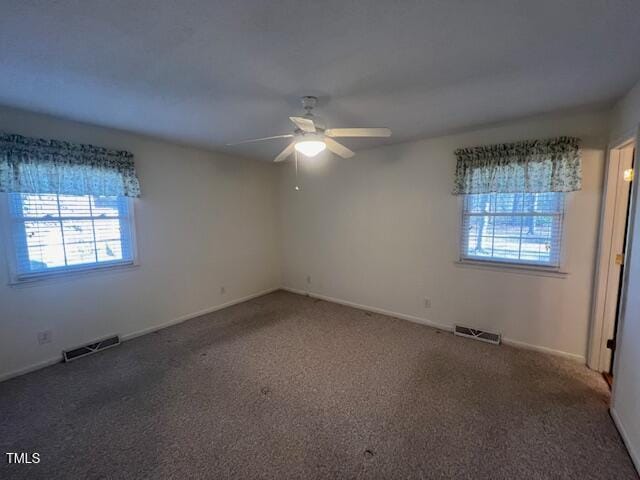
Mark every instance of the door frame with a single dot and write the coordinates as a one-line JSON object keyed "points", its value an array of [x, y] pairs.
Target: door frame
{"points": [[598, 358]]}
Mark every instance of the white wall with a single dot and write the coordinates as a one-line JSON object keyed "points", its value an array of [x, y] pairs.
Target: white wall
{"points": [[625, 405], [625, 116], [381, 230], [204, 221]]}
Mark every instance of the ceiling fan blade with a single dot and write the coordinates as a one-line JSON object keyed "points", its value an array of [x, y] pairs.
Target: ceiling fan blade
{"points": [[338, 148], [285, 153], [304, 124], [288, 135], [358, 132]]}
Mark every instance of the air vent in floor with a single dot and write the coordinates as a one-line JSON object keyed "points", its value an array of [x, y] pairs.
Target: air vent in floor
{"points": [[90, 348], [477, 334]]}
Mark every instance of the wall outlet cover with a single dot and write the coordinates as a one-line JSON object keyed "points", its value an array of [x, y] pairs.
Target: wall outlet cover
{"points": [[44, 337]]}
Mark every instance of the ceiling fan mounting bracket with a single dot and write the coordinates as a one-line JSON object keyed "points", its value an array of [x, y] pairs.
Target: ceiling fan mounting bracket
{"points": [[309, 103]]}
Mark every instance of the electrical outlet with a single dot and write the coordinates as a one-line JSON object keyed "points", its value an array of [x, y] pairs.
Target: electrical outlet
{"points": [[44, 337], [223, 290], [427, 302], [309, 279]]}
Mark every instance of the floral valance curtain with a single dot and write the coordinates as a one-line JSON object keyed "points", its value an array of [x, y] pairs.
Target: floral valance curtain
{"points": [[534, 166], [34, 165]]}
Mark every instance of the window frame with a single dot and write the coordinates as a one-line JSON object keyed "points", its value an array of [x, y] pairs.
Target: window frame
{"points": [[16, 278], [509, 264]]}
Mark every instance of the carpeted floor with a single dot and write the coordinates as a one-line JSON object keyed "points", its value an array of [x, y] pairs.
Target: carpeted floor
{"points": [[285, 386]]}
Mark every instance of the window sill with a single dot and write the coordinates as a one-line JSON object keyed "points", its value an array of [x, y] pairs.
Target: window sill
{"points": [[44, 278], [512, 268]]}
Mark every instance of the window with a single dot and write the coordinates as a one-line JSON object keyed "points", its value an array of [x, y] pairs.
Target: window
{"points": [[519, 228], [53, 233]]}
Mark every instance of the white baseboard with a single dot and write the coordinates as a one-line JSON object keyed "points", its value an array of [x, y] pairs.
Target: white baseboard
{"points": [[368, 308], [31, 368], [129, 336], [424, 321], [635, 456], [539, 348], [199, 313]]}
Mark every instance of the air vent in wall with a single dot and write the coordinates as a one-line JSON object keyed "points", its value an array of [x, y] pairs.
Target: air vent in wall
{"points": [[90, 348], [477, 334]]}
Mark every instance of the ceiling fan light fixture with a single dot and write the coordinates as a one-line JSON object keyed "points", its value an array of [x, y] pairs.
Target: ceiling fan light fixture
{"points": [[310, 148]]}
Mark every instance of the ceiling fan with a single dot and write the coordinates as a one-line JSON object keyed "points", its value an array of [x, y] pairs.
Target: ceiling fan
{"points": [[310, 136]]}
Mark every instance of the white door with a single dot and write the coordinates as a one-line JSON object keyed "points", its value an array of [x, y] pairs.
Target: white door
{"points": [[615, 254]]}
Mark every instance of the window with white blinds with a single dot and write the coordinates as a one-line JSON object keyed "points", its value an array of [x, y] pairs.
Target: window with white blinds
{"points": [[519, 228], [60, 233]]}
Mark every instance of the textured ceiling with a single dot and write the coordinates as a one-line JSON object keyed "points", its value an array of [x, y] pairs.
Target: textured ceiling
{"points": [[210, 72]]}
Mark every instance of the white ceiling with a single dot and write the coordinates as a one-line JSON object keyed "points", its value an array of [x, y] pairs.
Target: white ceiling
{"points": [[210, 72]]}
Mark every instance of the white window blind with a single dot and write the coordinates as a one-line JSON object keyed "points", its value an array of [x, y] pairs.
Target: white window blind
{"points": [[520, 228], [58, 233]]}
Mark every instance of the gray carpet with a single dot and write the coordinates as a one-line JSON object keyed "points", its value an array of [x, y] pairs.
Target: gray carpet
{"points": [[285, 386]]}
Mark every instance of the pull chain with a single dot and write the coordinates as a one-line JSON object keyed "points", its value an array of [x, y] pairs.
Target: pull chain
{"points": [[297, 187]]}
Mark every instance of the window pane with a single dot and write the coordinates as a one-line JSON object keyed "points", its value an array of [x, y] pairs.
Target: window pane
{"points": [[80, 253], [74, 206], [109, 251], [107, 229], [34, 206], [480, 238], [478, 203], [507, 226], [78, 240], [105, 206], [108, 236], [538, 239], [509, 202], [513, 227], [506, 235], [77, 231], [44, 248]]}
